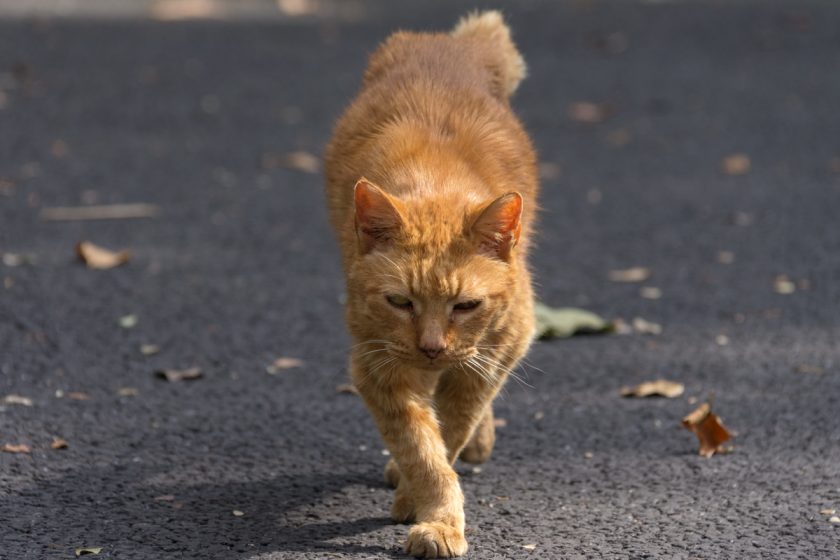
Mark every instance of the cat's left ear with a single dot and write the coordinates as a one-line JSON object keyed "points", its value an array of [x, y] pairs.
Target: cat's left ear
{"points": [[378, 218], [497, 228]]}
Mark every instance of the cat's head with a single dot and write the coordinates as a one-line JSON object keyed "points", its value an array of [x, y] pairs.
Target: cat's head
{"points": [[433, 277]]}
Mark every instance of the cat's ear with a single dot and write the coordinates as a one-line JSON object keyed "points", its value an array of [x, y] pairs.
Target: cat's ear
{"points": [[378, 217], [496, 229]]}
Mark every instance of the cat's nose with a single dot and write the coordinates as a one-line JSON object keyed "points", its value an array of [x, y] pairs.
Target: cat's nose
{"points": [[431, 351]]}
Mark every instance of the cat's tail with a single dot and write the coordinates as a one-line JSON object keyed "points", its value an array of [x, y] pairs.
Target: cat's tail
{"points": [[504, 61]]}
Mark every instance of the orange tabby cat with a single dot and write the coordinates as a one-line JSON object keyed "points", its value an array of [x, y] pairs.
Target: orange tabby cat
{"points": [[431, 182]]}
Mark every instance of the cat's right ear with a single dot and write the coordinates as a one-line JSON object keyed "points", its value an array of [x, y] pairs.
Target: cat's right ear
{"points": [[378, 218]]}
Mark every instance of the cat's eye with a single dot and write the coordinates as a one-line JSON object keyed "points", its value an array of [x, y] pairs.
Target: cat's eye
{"points": [[400, 302], [467, 305]]}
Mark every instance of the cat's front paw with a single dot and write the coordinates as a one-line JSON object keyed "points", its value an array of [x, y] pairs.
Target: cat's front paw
{"points": [[435, 540]]}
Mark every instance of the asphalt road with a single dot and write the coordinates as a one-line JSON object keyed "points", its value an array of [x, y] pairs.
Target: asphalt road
{"points": [[240, 268]]}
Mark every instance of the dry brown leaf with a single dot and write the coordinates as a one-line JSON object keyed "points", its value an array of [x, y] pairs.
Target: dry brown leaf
{"points": [[783, 285], [149, 349], [725, 257], [15, 448], [499, 422], [58, 443], [834, 519], [299, 160], [100, 258], [634, 274], [549, 170], [17, 399], [238, 513], [657, 388], [619, 137], [829, 511], [650, 292], [736, 164], [78, 396], [85, 550], [644, 326], [588, 112], [708, 428], [529, 546], [347, 388], [101, 212], [283, 363], [176, 375], [128, 391]]}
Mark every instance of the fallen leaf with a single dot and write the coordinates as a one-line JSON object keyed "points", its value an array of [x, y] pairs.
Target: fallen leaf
{"points": [[15, 448], [176, 375], [78, 396], [347, 388], [238, 513], [650, 292], [17, 399], [299, 161], [725, 257], [128, 321], [549, 170], [588, 112], [619, 137], [149, 349], [566, 322], [499, 422], [783, 285], [128, 392], [283, 363], [834, 519], [82, 551], [594, 196], [809, 369], [529, 546], [59, 148], [644, 326], [634, 274], [58, 443], [708, 428], [828, 511], [743, 219], [100, 258], [657, 388], [101, 212], [735, 164]]}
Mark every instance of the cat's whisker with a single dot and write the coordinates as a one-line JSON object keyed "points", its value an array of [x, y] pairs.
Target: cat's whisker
{"points": [[375, 351], [371, 341], [498, 365]]}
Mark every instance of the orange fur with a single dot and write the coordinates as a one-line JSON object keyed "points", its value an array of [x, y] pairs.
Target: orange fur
{"points": [[431, 183]]}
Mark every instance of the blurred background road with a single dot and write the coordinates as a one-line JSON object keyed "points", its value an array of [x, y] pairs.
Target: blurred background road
{"points": [[700, 140]]}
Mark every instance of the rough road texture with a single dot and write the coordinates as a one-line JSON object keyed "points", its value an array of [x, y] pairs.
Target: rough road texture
{"points": [[240, 268]]}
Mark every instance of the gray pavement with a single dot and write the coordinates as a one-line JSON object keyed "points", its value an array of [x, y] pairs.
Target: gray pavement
{"points": [[240, 268]]}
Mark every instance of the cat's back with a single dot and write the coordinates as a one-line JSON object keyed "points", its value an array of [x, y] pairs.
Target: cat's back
{"points": [[439, 99]]}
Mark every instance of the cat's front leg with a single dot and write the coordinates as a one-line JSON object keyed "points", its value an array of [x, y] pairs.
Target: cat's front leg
{"points": [[463, 401], [401, 406]]}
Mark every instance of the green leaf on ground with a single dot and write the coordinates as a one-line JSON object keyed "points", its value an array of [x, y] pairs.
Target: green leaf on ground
{"points": [[567, 321]]}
